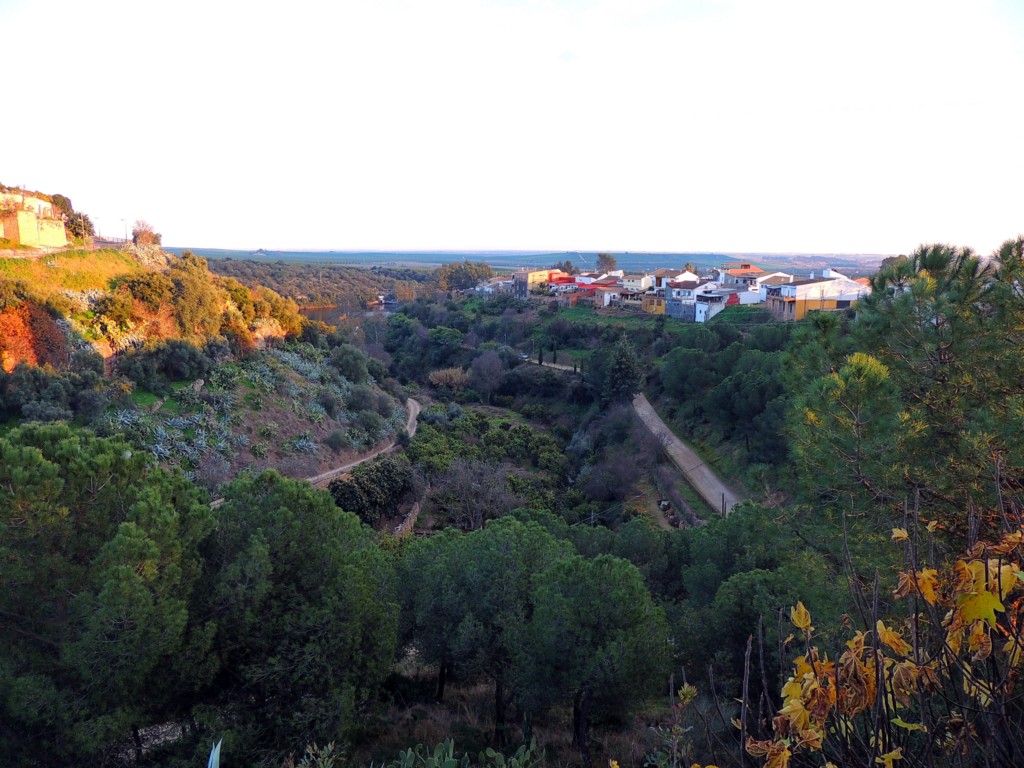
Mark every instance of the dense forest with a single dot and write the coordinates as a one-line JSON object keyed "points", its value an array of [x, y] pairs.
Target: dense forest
{"points": [[528, 580]]}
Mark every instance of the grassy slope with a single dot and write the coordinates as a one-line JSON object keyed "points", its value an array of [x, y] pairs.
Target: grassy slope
{"points": [[75, 270]]}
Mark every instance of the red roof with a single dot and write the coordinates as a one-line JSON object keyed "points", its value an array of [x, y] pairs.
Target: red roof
{"points": [[745, 271]]}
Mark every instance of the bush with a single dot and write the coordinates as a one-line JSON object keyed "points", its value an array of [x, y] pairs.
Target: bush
{"points": [[336, 440], [45, 411], [116, 307], [370, 422], [151, 289], [154, 367]]}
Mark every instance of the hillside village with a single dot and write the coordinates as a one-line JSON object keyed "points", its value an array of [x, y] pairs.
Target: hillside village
{"points": [[685, 295]]}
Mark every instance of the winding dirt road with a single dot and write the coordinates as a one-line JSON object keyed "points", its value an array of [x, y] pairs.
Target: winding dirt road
{"points": [[321, 480], [716, 493]]}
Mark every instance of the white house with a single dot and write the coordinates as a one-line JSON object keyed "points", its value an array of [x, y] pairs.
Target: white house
{"points": [[637, 282], [663, 276]]}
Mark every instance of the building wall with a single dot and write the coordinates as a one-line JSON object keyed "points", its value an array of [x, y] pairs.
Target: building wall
{"points": [[801, 307], [17, 200], [681, 310], [704, 311], [654, 304], [28, 229], [639, 283], [52, 233]]}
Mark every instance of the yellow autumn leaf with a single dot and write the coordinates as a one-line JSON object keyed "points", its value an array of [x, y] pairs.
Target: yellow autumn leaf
{"points": [[1005, 577], [887, 760], [900, 534], [979, 641], [928, 584], [898, 721], [932, 526], [981, 605], [801, 617], [892, 639], [1014, 651], [979, 574]]}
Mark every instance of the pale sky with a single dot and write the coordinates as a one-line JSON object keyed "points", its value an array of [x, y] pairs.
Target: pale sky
{"points": [[642, 125]]}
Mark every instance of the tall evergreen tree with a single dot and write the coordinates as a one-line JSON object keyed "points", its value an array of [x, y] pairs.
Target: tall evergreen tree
{"points": [[624, 373]]}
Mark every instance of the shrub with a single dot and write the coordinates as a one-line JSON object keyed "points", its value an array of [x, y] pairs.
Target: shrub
{"points": [[336, 440]]}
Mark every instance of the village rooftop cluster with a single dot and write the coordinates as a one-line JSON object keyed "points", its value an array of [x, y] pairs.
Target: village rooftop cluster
{"points": [[685, 295]]}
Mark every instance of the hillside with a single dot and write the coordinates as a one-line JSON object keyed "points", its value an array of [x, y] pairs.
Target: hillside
{"points": [[198, 370]]}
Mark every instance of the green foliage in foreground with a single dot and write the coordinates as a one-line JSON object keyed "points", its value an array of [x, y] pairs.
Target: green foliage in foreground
{"points": [[444, 756], [128, 602], [99, 558]]}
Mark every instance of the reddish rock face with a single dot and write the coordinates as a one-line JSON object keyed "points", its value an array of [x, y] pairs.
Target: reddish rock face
{"points": [[28, 334]]}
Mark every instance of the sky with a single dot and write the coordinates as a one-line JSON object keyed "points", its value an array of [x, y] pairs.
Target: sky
{"points": [[737, 126]]}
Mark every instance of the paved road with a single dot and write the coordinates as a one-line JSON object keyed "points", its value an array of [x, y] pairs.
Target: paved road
{"points": [[700, 475], [321, 480]]}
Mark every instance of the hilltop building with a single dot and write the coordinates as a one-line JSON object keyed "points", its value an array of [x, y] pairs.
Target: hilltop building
{"points": [[26, 219]]}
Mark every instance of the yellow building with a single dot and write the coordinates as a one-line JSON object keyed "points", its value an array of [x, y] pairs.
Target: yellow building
{"points": [[792, 301], [654, 303], [29, 220]]}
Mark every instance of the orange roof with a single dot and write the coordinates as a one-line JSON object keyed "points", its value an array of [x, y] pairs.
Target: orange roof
{"points": [[862, 280]]}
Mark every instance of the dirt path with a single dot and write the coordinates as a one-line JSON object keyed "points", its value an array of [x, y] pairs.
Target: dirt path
{"points": [[321, 480], [703, 479], [559, 366]]}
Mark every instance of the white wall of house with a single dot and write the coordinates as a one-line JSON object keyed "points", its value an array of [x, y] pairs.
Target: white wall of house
{"points": [[637, 282], [604, 298], [707, 310]]}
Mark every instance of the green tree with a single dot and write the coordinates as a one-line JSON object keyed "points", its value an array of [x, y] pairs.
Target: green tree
{"points": [[305, 611], [198, 304], [459, 276], [374, 489], [99, 558], [945, 324], [846, 435], [79, 225], [351, 363], [596, 638], [624, 373], [606, 262], [567, 266], [473, 599], [63, 204]]}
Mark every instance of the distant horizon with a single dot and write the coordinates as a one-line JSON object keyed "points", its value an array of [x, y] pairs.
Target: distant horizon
{"points": [[531, 251], [508, 260]]}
